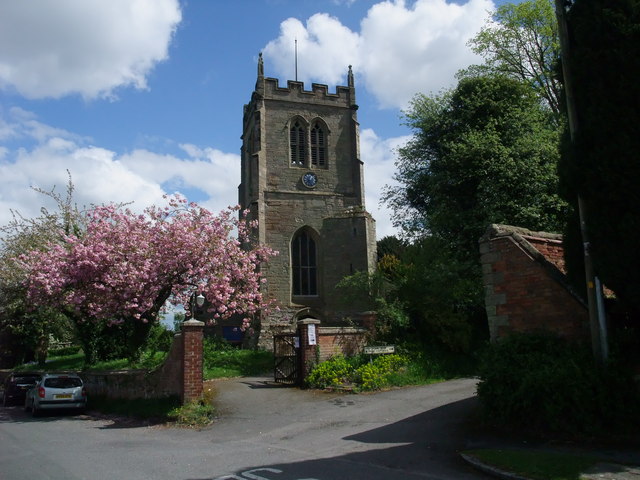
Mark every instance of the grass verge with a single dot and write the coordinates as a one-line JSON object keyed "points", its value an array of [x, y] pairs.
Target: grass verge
{"points": [[537, 465], [233, 362]]}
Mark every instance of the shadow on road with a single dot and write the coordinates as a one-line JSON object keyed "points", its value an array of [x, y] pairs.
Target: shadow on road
{"points": [[423, 446], [16, 414]]}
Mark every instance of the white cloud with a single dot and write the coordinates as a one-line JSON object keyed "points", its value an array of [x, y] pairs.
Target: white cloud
{"points": [[141, 176], [325, 48], [103, 176], [399, 51], [90, 47], [379, 156]]}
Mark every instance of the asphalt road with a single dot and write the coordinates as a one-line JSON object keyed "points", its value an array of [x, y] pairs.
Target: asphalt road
{"points": [[264, 432]]}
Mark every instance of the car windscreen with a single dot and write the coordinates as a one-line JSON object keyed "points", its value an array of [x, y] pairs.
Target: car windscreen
{"points": [[25, 380], [62, 382]]}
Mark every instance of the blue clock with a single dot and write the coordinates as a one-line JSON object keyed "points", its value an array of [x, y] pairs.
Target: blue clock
{"points": [[309, 179]]}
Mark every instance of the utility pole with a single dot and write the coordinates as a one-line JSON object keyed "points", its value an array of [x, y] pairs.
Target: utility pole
{"points": [[596, 316]]}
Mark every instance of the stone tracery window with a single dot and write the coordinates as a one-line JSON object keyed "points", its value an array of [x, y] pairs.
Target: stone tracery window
{"points": [[318, 146], [304, 265], [297, 144]]}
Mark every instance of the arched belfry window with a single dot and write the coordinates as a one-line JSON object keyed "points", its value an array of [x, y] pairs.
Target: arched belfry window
{"points": [[318, 146], [304, 264], [297, 143]]}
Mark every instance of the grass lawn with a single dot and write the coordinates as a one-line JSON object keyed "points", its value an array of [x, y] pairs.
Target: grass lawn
{"points": [[537, 465], [75, 362], [237, 363]]}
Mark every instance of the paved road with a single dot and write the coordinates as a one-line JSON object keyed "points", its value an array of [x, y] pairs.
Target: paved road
{"points": [[264, 432]]}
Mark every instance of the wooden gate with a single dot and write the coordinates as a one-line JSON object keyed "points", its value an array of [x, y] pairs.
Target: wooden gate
{"points": [[285, 356]]}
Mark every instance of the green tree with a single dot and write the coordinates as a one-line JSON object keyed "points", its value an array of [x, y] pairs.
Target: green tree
{"points": [[442, 295], [602, 163], [391, 245], [522, 41], [483, 153], [30, 327], [178, 320]]}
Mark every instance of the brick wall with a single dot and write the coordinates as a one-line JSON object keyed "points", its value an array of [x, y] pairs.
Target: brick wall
{"points": [[525, 284], [330, 341], [345, 341], [164, 381], [181, 374]]}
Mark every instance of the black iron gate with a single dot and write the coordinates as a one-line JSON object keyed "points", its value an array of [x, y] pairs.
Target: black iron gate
{"points": [[285, 356]]}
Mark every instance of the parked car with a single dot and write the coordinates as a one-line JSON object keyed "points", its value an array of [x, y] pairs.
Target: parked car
{"points": [[56, 391], [16, 386]]}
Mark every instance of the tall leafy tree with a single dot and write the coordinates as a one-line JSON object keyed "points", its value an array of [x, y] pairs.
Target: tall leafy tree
{"points": [[483, 153], [602, 163], [28, 326], [522, 41]]}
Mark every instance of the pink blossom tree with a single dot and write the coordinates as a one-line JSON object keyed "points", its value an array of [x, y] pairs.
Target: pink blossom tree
{"points": [[124, 267]]}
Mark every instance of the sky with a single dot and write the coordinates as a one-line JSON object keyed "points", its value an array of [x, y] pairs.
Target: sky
{"points": [[138, 98]]}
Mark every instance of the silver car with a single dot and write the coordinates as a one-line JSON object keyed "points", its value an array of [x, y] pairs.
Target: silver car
{"points": [[56, 391]]}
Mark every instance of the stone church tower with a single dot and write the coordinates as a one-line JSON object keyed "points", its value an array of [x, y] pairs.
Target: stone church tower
{"points": [[302, 179]]}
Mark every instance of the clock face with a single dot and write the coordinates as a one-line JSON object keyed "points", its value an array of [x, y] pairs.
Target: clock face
{"points": [[309, 179]]}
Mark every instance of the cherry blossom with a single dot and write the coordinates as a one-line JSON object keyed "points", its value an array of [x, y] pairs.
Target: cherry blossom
{"points": [[124, 266]]}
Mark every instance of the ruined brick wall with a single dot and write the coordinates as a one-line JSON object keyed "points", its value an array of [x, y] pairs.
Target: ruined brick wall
{"points": [[525, 284]]}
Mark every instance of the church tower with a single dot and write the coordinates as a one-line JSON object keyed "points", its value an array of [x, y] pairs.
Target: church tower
{"points": [[302, 179]]}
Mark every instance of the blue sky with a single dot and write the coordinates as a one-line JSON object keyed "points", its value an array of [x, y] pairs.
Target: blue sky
{"points": [[137, 98]]}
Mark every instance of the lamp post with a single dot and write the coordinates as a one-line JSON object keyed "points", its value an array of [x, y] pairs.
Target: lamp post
{"points": [[196, 300]]}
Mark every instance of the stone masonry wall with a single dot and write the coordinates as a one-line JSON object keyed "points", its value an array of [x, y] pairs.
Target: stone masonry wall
{"points": [[165, 381], [525, 286], [179, 375], [332, 212]]}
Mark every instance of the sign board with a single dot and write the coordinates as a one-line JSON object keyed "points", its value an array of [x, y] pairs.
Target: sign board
{"points": [[380, 349], [311, 332]]}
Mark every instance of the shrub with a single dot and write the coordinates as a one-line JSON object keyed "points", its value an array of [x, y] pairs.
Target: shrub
{"points": [[358, 372], [544, 384], [375, 375], [331, 373], [160, 339], [64, 351]]}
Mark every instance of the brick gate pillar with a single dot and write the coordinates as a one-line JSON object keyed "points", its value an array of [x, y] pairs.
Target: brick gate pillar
{"points": [[308, 334], [192, 362]]}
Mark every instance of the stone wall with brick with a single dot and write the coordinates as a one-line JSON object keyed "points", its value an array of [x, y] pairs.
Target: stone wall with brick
{"points": [[525, 284], [164, 381], [180, 375], [347, 341], [329, 342]]}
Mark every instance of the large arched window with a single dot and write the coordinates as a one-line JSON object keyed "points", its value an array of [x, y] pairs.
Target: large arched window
{"points": [[297, 143], [304, 265], [318, 146]]}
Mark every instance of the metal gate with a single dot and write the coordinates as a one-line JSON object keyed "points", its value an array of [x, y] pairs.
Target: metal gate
{"points": [[285, 355]]}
